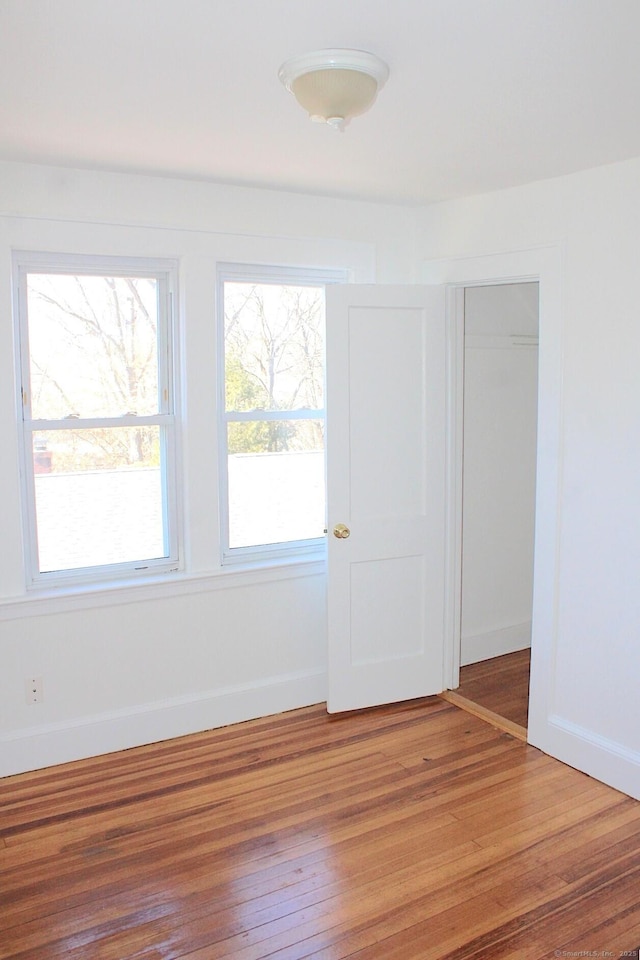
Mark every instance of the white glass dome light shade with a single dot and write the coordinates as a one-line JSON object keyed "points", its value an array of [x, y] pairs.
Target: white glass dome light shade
{"points": [[334, 95], [334, 85]]}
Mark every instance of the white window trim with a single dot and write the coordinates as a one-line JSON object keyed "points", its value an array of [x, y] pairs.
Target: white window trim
{"points": [[107, 593], [166, 272], [310, 549]]}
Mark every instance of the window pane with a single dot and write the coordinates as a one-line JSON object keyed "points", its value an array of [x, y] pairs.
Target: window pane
{"points": [[276, 481], [274, 346], [98, 497], [93, 345]]}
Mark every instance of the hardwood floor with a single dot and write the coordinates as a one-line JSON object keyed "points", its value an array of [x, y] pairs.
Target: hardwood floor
{"points": [[408, 832], [500, 685]]}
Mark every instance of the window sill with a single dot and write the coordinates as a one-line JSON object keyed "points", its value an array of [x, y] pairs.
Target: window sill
{"points": [[41, 602]]}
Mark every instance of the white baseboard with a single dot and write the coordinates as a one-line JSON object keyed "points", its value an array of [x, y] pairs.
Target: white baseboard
{"points": [[43, 746], [495, 643], [601, 758]]}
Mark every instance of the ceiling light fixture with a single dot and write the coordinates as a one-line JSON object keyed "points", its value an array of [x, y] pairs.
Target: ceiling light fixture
{"points": [[334, 85]]}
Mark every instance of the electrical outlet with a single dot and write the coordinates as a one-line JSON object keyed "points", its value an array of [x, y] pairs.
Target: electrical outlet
{"points": [[33, 690]]}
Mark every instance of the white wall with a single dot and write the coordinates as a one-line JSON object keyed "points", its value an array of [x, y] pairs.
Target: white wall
{"points": [[151, 662], [588, 661], [499, 463], [135, 664]]}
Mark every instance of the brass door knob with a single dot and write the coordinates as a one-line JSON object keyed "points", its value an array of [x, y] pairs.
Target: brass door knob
{"points": [[341, 532]]}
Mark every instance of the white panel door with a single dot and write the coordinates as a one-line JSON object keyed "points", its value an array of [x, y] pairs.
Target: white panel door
{"points": [[386, 439]]}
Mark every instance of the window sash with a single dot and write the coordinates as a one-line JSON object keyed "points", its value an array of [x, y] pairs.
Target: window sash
{"points": [[165, 274], [249, 416], [259, 275]]}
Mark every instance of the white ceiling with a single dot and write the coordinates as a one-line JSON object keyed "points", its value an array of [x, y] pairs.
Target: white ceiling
{"points": [[483, 94]]}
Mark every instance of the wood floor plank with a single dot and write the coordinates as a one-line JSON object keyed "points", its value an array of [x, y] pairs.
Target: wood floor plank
{"points": [[70, 800], [409, 831], [499, 685]]}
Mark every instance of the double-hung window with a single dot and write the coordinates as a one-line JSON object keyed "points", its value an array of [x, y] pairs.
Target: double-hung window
{"points": [[98, 420], [272, 327]]}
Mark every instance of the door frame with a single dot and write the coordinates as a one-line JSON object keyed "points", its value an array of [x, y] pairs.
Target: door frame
{"points": [[544, 265]]}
